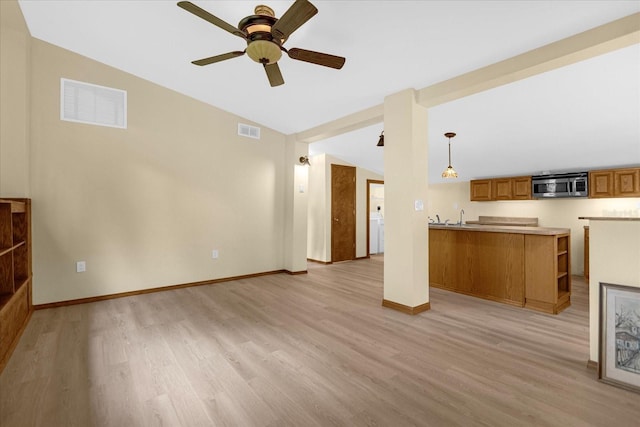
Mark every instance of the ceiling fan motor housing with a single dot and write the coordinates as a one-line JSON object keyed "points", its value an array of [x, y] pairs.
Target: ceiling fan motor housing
{"points": [[262, 47]]}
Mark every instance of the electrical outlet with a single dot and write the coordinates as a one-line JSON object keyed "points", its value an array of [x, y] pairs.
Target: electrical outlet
{"points": [[214, 254], [81, 267]]}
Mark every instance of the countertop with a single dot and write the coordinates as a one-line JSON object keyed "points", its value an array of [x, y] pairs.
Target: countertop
{"points": [[610, 218], [545, 231]]}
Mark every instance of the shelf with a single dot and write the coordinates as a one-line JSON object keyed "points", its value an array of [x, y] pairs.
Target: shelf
{"points": [[15, 272], [20, 282], [4, 299], [562, 253], [12, 248], [562, 274]]}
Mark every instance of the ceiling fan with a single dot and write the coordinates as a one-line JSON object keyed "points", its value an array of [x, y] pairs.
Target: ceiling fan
{"points": [[265, 35]]}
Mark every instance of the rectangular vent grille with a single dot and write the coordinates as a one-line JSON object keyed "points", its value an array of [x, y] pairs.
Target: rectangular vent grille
{"points": [[92, 104], [248, 131]]}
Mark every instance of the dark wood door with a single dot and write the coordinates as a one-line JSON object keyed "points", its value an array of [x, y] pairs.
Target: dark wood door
{"points": [[343, 213]]}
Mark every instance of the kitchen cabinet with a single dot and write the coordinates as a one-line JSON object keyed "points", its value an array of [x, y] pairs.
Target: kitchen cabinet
{"points": [[503, 188], [15, 273], [522, 266], [522, 188], [481, 190], [614, 183], [508, 188], [586, 253], [547, 272]]}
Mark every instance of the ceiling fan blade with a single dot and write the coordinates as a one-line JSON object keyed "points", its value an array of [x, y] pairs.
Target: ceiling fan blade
{"points": [[299, 13], [316, 58], [218, 58], [274, 74], [190, 7]]}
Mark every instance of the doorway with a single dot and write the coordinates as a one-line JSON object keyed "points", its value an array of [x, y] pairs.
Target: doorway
{"points": [[343, 213], [375, 217]]}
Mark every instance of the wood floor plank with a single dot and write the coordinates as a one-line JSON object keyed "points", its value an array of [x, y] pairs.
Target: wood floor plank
{"points": [[307, 350]]}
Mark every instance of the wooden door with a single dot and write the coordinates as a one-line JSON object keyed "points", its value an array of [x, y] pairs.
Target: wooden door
{"points": [[343, 213]]}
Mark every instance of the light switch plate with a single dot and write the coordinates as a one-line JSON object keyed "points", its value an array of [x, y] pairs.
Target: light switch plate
{"points": [[81, 267], [419, 205]]}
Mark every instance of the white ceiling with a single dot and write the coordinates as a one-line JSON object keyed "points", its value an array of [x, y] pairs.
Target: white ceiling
{"points": [[577, 117]]}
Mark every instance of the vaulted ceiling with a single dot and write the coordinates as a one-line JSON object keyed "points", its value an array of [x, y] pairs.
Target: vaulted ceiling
{"points": [[581, 116]]}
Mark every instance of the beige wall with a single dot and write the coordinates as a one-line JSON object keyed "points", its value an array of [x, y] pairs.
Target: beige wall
{"points": [[15, 45], [318, 211], [614, 257], [295, 221], [145, 206], [319, 207], [447, 199]]}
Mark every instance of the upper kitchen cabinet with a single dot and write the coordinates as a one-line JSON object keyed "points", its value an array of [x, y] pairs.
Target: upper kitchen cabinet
{"points": [[503, 188], [510, 188], [522, 188], [614, 183], [481, 190]]}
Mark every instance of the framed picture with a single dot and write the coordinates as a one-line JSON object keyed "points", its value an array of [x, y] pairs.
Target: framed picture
{"points": [[619, 344]]}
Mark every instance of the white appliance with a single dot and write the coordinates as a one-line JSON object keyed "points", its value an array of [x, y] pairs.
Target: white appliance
{"points": [[376, 233]]}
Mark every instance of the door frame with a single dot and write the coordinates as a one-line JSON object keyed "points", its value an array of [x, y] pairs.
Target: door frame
{"points": [[369, 182]]}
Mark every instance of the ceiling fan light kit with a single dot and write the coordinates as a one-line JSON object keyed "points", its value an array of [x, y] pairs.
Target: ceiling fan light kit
{"points": [[449, 172], [264, 52], [265, 35]]}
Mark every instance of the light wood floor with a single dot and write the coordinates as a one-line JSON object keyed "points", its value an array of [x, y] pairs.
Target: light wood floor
{"points": [[310, 350]]}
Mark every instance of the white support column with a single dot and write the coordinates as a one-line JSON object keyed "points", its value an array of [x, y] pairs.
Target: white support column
{"points": [[406, 259], [296, 188]]}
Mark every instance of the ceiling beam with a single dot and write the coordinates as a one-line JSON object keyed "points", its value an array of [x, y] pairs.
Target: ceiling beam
{"points": [[349, 123], [606, 38]]}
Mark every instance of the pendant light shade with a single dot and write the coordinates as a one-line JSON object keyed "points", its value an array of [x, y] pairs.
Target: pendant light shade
{"points": [[449, 172], [381, 140]]}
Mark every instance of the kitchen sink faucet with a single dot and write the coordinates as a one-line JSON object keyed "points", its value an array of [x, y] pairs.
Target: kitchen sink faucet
{"points": [[461, 213]]}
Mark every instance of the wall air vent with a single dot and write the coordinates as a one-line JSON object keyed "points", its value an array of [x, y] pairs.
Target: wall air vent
{"points": [[88, 103], [248, 131]]}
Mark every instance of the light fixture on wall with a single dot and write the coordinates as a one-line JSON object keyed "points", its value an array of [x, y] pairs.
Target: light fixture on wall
{"points": [[449, 172], [304, 160], [381, 140]]}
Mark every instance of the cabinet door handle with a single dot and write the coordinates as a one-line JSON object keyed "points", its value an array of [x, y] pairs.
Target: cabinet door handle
{"points": [[336, 219]]}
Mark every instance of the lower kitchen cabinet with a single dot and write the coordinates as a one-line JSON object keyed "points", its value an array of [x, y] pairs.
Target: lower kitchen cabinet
{"points": [[547, 273], [522, 266], [586, 253]]}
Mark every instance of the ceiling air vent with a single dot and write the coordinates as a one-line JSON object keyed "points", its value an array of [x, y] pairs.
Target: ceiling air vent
{"points": [[248, 131], [92, 104]]}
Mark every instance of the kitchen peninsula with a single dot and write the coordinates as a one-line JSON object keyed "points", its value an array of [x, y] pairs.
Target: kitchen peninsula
{"points": [[523, 266]]}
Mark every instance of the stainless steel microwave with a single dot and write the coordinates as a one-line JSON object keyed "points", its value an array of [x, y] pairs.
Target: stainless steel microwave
{"points": [[574, 184]]}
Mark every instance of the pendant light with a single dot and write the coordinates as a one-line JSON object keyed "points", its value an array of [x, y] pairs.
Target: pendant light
{"points": [[449, 172], [381, 140]]}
